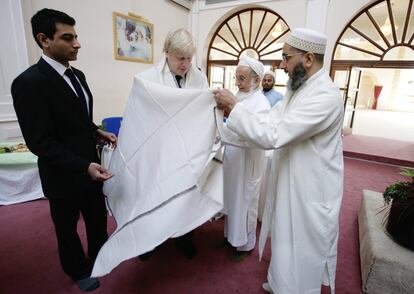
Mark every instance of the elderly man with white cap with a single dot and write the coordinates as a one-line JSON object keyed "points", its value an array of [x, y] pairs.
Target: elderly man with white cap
{"points": [[243, 168], [305, 187]]}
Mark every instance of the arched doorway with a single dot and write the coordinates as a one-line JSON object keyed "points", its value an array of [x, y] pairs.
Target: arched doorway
{"points": [[373, 63], [256, 32]]}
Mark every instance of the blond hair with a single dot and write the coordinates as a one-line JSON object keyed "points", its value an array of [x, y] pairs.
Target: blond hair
{"points": [[179, 41]]}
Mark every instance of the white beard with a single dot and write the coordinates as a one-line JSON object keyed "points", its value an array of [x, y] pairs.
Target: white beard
{"points": [[243, 95]]}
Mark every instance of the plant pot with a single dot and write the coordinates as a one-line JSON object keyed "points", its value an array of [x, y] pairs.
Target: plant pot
{"points": [[400, 223]]}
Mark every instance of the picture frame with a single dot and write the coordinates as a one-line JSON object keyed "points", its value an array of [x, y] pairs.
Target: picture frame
{"points": [[133, 38]]}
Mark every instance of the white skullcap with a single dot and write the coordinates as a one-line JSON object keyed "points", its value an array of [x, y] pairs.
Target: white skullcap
{"points": [[254, 64], [269, 72], [307, 40]]}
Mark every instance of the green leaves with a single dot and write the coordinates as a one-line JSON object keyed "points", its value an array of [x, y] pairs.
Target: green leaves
{"points": [[407, 172], [401, 192]]}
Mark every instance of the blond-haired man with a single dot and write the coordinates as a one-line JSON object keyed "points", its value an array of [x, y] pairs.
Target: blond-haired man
{"points": [[176, 70]]}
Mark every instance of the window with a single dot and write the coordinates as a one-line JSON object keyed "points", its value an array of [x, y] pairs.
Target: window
{"points": [[381, 32], [255, 32], [376, 51]]}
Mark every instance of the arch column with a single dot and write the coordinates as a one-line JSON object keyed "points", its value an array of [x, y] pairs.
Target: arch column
{"points": [[193, 27], [13, 56], [316, 15]]}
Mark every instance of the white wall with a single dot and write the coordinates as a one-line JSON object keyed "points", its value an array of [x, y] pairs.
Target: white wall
{"points": [[110, 80], [395, 94]]}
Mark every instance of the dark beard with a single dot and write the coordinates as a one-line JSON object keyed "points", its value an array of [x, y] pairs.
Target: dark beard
{"points": [[298, 77]]}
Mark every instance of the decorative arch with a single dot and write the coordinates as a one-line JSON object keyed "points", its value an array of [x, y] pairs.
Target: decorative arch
{"points": [[378, 41], [381, 35], [257, 29], [257, 32]]}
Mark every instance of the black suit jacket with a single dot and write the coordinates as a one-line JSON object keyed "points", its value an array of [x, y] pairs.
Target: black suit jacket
{"points": [[57, 130]]}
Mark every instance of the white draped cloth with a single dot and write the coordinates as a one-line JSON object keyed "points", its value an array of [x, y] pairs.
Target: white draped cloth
{"points": [[166, 182], [19, 183], [305, 184], [19, 177]]}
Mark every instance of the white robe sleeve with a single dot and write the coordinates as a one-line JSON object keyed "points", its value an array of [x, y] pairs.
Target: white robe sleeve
{"points": [[275, 129], [228, 137]]}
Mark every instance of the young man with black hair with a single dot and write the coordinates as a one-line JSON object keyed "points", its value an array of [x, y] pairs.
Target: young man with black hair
{"points": [[53, 104]]}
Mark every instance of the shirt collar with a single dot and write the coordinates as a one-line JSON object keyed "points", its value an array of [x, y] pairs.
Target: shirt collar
{"points": [[59, 67], [315, 75]]}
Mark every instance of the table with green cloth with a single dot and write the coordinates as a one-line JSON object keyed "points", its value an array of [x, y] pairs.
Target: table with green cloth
{"points": [[19, 177]]}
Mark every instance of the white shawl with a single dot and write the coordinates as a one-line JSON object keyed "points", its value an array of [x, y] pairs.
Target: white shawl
{"points": [[166, 183]]}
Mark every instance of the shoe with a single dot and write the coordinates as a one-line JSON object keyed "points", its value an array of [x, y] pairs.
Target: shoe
{"points": [[187, 249], [88, 284], [266, 287], [147, 255], [237, 256], [222, 243]]}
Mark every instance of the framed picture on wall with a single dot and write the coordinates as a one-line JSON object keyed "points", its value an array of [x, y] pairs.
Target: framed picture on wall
{"points": [[133, 38]]}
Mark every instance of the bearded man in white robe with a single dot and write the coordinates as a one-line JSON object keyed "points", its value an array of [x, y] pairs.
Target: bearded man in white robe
{"points": [[243, 168], [305, 186]]}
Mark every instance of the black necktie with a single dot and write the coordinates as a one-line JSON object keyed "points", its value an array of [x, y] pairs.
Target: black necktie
{"points": [[69, 73], [178, 79]]}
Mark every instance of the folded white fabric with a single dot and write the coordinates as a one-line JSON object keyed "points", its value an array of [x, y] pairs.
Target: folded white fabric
{"points": [[166, 183]]}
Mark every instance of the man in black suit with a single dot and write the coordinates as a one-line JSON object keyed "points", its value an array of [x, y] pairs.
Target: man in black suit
{"points": [[53, 104]]}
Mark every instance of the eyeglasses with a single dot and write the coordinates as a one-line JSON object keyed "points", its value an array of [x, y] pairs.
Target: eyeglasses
{"points": [[240, 79], [285, 56]]}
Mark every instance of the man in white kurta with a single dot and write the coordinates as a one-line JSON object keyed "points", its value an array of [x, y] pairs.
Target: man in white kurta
{"points": [[305, 186], [243, 168]]}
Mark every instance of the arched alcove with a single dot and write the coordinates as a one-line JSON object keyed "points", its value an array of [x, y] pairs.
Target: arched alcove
{"points": [[377, 44], [257, 32]]}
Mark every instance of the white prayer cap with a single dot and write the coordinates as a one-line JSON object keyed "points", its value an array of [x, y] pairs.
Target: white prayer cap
{"points": [[254, 64], [307, 40], [269, 72]]}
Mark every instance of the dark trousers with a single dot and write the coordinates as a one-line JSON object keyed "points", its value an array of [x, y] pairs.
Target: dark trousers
{"points": [[65, 215], [185, 240]]}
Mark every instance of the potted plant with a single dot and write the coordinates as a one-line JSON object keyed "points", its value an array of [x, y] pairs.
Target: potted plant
{"points": [[399, 196]]}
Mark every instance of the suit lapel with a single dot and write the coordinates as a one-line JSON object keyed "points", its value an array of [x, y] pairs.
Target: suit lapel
{"points": [[62, 86]]}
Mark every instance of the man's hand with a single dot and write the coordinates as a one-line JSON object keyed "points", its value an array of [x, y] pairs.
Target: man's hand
{"points": [[107, 137], [98, 172], [225, 100]]}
